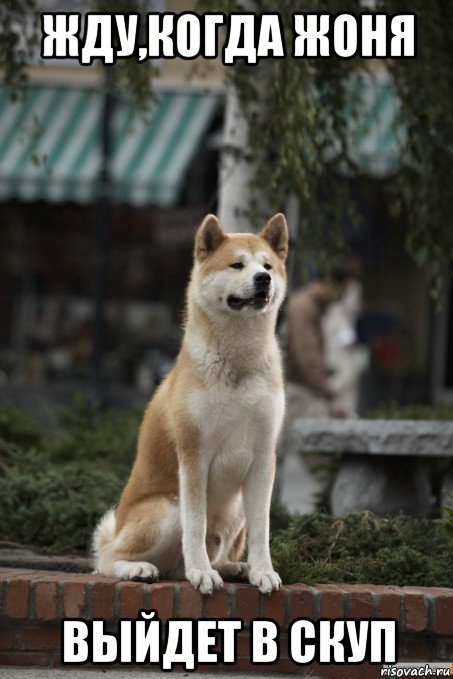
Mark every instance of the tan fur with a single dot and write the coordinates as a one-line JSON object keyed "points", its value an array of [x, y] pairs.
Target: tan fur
{"points": [[206, 448]]}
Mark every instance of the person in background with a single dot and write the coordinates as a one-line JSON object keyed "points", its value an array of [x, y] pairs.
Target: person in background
{"points": [[346, 358], [310, 393]]}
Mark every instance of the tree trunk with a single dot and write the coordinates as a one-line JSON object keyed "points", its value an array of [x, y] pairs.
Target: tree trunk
{"points": [[236, 169]]}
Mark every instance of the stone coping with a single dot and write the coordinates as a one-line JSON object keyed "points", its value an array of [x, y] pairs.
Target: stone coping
{"points": [[374, 437]]}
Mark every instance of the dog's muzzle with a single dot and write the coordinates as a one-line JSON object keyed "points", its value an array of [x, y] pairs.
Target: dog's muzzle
{"points": [[260, 298]]}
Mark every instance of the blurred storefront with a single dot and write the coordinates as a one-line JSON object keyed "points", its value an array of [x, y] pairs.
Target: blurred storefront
{"points": [[396, 324], [163, 177], [61, 214]]}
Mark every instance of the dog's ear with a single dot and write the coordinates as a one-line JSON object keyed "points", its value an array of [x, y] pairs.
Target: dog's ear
{"points": [[209, 236], [276, 234]]}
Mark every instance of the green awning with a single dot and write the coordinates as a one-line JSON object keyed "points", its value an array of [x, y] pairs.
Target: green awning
{"points": [[50, 145], [375, 136]]}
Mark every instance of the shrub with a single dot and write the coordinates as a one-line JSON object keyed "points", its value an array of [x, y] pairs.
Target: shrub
{"points": [[54, 490], [361, 547], [391, 410]]}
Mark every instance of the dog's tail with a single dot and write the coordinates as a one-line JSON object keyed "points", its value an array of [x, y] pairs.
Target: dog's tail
{"points": [[102, 542]]}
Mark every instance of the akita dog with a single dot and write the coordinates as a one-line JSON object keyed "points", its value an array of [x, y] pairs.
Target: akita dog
{"points": [[205, 463]]}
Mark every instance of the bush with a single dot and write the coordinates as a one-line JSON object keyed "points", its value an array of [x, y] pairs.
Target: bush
{"points": [[98, 435], [361, 547], [391, 410], [53, 490]]}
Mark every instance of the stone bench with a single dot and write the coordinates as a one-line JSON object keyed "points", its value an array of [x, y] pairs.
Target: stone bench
{"points": [[380, 469]]}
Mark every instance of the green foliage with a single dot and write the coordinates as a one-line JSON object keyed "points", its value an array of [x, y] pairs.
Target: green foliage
{"points": [[325, 467], [53, 490], [449, 521], [296, 114], [279, 517], [19, 45], [133, 81], [19, 21], [15, 427], [98, 435], [392, 410], [54, 506], [424, 86], [363, 548]]}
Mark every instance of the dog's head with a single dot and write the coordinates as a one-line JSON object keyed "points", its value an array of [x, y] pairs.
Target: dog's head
{"points": [[240, 273]]}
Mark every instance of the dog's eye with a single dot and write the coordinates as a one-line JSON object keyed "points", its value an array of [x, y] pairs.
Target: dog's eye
{"points": [[237, 265], [268, 267]]}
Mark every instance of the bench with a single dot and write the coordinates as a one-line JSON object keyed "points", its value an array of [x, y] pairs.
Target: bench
{"points": [[381, 468]]}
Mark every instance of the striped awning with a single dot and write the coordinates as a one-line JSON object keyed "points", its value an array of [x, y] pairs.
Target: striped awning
{"points": [[50, 145], [375, 136]]}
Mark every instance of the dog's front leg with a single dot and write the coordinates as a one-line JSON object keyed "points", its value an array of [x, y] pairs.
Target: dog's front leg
{"points": [[257, 501], [193, 489]]}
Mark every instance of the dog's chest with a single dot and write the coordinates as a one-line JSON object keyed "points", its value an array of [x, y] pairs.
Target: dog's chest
{"points": [[225, 413], [233, 424]]}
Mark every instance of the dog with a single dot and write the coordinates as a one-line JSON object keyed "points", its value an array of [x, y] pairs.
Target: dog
{"points": [[205, 463]]}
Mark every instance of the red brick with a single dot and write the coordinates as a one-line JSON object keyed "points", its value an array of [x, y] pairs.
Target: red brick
{"points": [[132, 599], [74, 599], [189, 601], [38, 638], [24, 659], [46, 600], [331, 602], [17, 596], [444, 615], [247, 601], [360, 601], [243, 645], [445, 649], [6, 637], [218, 604], [273, 606], [301, 602], [162, 599], [415, 612], [388, 600], [104, 598], [414, 649]]}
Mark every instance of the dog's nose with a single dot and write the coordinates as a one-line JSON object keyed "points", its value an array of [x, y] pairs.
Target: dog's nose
{"points": [[262, 279]]}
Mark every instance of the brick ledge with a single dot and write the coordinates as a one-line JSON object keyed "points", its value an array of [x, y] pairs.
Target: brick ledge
{"points": [[33, 603]]}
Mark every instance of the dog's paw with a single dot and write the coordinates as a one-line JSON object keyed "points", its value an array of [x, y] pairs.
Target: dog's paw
{"points": [[267, 581], [234, 569], [135, 570], [204, 580]]}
